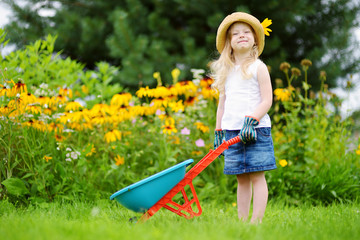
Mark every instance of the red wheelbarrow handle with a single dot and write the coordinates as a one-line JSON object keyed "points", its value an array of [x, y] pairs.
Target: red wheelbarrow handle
{"points": [[185, 210]]}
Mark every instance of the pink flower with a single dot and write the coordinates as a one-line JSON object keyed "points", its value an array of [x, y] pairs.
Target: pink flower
{"points": [[200, 143], [185, 131]]}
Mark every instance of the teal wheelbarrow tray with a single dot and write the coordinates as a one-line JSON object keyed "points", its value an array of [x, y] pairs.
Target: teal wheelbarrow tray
{"points": [[157, 191]]}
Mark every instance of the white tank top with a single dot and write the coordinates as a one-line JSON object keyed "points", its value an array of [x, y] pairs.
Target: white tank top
{"points": [[242, 98]]}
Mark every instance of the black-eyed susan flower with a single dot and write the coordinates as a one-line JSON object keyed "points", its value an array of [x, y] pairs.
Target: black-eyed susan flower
{"points": [[60, 99], [19, 87], [27, 98], [159, 102], [112, 136], [73, 106], [119, 160], [6, 110], [121, 99], [59, 138], [43, 100], [169, 126], [4, 91], [55, 127], [190, 101], [142, 92], [177, 106], [34, 109], [66, 92]]}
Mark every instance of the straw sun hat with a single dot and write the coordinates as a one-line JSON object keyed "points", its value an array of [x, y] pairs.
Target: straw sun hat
{"points": [[260, 29]]}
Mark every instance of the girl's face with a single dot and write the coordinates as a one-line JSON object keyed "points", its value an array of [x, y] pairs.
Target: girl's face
{"points": [[241, 37]]}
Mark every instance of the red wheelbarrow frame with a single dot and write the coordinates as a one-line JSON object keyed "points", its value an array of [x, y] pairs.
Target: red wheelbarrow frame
{"points": [[185, 210]]}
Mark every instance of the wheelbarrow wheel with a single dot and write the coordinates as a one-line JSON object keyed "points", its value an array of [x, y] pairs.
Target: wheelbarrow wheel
{"points": [[133, 219]]}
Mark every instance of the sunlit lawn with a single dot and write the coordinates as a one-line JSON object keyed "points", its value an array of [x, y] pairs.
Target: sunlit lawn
{"points": [[109, 220]]}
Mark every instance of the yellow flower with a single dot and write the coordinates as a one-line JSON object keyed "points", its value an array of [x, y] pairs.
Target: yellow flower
{"points": [[73, 106], [119, 160], [177, 106], [46, 158], [175, 75], [112, 136], [4, 91], [196, 152], [59, 138], [283, 162], [202, 127], [84, 89], [121, 99], [33, 109], [42, 100], [19, 87], [28, 98], [92, 150], [358, 150], [267, 22], [60, 99], [175, 139], [67, 92], [56, 127], [282, 94], [169, 126]]}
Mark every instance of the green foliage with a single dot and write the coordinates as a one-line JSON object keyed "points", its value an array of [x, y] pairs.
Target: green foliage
{"points": [[39, 165], [147, 36], [315, 144], [43, 70]]}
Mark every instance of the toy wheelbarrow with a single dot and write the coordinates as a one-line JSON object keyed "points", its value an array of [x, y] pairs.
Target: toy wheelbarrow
{"points": [[157, 191]]}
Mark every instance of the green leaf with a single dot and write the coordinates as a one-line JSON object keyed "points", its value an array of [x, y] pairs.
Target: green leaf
{"points": [[15, 186]]}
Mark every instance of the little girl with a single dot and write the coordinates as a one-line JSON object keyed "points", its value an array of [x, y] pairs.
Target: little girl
{"points": [[245, 98]]}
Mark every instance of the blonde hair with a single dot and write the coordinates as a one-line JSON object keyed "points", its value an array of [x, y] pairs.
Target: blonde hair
{"points": [[220, 68]]}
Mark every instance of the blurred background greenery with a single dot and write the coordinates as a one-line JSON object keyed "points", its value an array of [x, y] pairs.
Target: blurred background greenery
{"points": [[144, 36]]}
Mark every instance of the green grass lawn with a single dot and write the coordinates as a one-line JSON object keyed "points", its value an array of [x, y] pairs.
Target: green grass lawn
{"points": [[110, 220]]}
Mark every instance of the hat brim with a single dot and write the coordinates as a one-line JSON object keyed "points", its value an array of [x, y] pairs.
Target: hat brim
{"points": [[240, 17]]}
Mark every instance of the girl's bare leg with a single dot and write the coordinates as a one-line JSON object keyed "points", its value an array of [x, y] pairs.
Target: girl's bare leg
{"points": [[260, 196], [244, 193]]}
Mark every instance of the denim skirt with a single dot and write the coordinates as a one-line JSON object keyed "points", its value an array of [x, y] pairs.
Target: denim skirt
{"points": [[252, 157]]}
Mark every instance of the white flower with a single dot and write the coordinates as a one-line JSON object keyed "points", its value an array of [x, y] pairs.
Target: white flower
{"points": [[68, 159], [74, 155], [68, 149]]}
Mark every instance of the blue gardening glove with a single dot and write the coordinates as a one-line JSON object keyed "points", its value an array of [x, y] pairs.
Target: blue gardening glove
{"points": [[219, 138], [248, 134]]}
